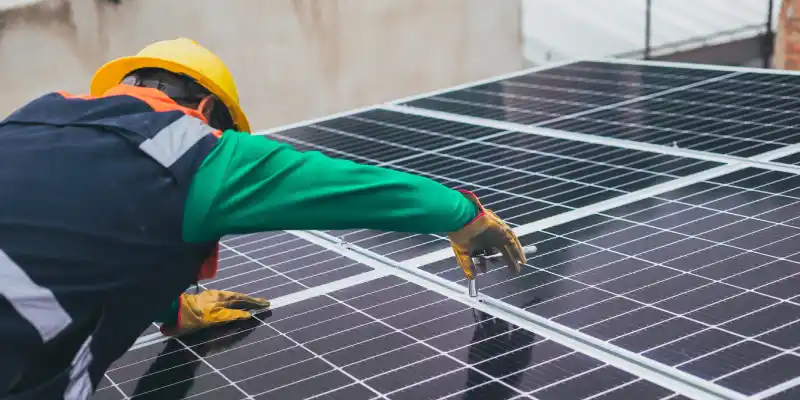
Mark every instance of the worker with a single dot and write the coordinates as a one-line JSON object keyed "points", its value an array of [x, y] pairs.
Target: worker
{"points": [[112, 205]]}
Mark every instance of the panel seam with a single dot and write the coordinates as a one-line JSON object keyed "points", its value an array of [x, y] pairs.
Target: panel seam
{"points": [[360, 110], [658, 373], [618, 201], [595, 139]]}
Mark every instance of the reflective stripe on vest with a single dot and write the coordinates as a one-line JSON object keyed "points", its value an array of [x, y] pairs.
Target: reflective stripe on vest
{"points": [[174, 140], [35, 303], [80, 383]]}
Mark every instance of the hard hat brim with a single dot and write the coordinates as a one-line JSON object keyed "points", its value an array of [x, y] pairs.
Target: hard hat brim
{"points": [[112, 73]]}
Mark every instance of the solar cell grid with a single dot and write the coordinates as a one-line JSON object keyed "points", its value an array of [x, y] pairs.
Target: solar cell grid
{"points": [[789, 394], [553, 93], [792, 159], [742, 114], [383, 339], [704, 278], [530, 176], [276, 264], [383, 136], [682, 120]]}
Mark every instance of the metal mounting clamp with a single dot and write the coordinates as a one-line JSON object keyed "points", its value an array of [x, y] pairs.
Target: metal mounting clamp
{"points": [[480, 263]]}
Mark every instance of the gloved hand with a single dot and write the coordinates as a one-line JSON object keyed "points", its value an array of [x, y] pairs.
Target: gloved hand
{"points": [[212, 307], [487, 233]]}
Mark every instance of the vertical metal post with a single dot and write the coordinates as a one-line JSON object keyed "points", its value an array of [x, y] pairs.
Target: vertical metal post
{"points": [[768, 46], [473, 287], [647, 28]]}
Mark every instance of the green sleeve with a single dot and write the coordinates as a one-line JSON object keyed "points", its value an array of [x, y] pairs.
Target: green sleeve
{"points": [[249, 183], [170, 315]]}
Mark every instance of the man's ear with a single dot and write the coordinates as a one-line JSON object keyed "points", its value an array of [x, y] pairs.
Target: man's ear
{"points": [[207, 105]]}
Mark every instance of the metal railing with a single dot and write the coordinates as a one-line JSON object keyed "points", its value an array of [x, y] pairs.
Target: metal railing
{"points": [[767, 44]]}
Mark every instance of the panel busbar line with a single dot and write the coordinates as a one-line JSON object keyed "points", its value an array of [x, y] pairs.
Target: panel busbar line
{"points": [[295, 265], [702, 278], [792, 159], [350, 112], [759, 160], [600, 207], [500, 137], [383, 339], [561, 92], [402, 246], [728, 318], [507, 206], [536, 177], [743, 114]]}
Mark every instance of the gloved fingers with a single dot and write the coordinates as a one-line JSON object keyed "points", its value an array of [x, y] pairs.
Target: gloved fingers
{"points": [[511, 259], [506, 239], [466, 264], [246, 304], [517, 248], [240, 301], [221, 314]]}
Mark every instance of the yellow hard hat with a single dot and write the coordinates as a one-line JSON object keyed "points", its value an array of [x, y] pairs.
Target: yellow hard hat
{"points": [[180, 56]]}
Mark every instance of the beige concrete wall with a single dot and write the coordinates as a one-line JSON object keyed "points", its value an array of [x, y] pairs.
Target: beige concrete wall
{"points": [[292, 59]]}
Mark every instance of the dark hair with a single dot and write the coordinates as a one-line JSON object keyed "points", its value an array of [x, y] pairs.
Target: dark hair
{"points": [[184, 90]]}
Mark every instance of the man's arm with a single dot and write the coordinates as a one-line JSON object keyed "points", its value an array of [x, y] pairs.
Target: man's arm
{"points": [[250, 184], [170, 315]]}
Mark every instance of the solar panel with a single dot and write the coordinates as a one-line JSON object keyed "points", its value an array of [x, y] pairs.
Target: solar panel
{"points": [[793, 159], [703, 278], [729, 112], [383, 339], [664, 202], [522, 177], [277, 264], [555, 93]]}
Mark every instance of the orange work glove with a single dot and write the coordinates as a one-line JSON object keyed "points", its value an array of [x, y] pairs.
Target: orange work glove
{"points": [[212, 307], [486, 234]]}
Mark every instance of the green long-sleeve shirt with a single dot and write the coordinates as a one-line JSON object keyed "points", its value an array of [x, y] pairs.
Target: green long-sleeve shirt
{"points": [[249, 183]]}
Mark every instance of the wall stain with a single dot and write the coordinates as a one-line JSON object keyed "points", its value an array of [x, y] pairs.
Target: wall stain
{"points": [[319, 21], [43, 13], [314, 57]]}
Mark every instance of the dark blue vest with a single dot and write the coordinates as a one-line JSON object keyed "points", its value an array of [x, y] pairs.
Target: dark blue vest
{"points": [[92, 194]]}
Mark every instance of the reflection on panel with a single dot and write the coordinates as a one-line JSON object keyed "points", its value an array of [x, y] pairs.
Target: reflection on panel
{"points": [[555, 93], [743, 114]]}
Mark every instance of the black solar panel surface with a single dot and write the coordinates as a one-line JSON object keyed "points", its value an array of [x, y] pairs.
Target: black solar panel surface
{"points": [[558, 92], [793, 159], [521, 176], [387, 338], [277, 264], [733, 113], [703, 277]]}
